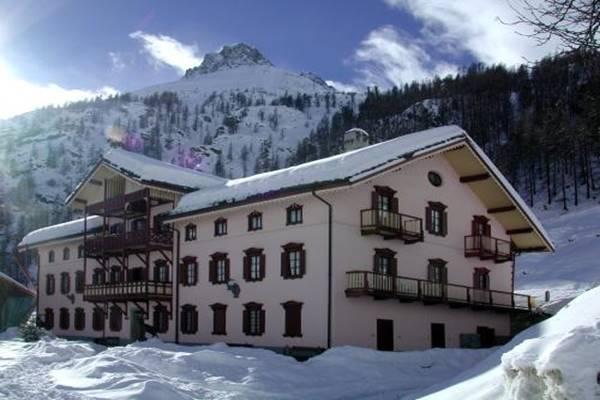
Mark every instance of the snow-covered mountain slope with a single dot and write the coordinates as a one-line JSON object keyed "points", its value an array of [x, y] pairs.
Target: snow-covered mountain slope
{"points": [[556, 359], [234, 115], [575, 265]]}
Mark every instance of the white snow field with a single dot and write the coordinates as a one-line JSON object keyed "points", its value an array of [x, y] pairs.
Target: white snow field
{"points": [[59, 369]]}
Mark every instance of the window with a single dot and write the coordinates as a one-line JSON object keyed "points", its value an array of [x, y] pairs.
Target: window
{"points": [[293, 319], [221, 227], [66, 253], [161, 271], [293, 261], [219, 319], [138, 225], [49, 319], [98, 277], [218, 268], [50, 284], [51, 256], [254, 319], [116, 229], [254, 265], [382, 199], [63, 319], [190, 232], [434, 178], [79, 319], [436, 219], [189, 319], [384, 262], [116, 319], [98, 319], [189, 271], [294, 214], [116, 274], [255, 221], [161, 319], [65, 283], [437, 271], [80, 251], [137, 274], [480, 226], [481, 278], [79, 281]]}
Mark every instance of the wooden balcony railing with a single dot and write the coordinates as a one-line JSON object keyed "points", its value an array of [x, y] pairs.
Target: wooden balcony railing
{"points": [[97, 243], [391, 225], [117, 203], [488, 248], [360, 283], [128, 291]]}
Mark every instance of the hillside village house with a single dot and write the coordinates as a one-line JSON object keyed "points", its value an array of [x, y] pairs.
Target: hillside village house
{"points": [[406, 244]]}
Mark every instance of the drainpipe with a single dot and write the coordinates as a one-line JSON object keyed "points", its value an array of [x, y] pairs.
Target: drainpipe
{"points": [[329, 264], [176, 283]]}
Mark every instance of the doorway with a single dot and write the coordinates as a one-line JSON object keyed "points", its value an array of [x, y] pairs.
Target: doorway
{"points": [[385, 335], [438, 335], [138, 332]]}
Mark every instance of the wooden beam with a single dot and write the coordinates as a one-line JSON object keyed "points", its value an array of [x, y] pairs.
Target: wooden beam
{"points": [[80, 201], [519, 231], [474, 178], [501, 209], [95, 182]]}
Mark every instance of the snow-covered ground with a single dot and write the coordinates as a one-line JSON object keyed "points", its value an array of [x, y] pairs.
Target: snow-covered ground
{"points": [[58, 369], [575, 265]]}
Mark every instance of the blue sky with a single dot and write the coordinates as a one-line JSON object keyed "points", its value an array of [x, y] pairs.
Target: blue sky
{"points": [[57, 51]]}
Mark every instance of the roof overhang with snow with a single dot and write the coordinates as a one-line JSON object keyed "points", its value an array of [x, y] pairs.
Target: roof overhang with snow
{"points": [[143, 171], [60, 232], [475, 169]]}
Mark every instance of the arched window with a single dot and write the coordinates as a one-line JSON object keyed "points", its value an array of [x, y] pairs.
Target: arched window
{"points": [[66, 253], [51, 256]]}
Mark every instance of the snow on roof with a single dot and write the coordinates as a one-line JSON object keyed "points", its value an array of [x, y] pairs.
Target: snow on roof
{"points": [[347, 167], [16, 284], [61, 231], [149, 170]]}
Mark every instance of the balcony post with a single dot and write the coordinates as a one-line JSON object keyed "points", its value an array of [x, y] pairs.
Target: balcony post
{"points": [[529, 303], [366, 281]]}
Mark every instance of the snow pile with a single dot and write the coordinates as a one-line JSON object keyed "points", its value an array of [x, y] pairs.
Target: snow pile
{"points": [[556, 359], [58, 369], [68, 229], [573, 268]]}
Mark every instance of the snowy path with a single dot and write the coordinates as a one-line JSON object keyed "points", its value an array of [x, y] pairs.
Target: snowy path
{"points": [[57, 369]]}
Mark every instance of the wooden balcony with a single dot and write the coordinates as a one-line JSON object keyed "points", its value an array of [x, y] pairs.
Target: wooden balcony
{"points": [[391, 225], [128, 291], [132, 241], [488, 248], [379, 286], [116, 205]]}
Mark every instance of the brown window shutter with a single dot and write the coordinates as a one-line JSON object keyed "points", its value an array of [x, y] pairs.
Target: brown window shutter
{"points": [[445, 275], [194, 321], [263, 262], [374, 200], [428, 219], [262, 321], [247, 268], [212, 271], [394, 266], [181, 273], [195, 267], [246, 321], [284, 265], [297, 320], [475, 280], [473, 227], [488, 230], [444, 223], [302, 262], [394, 204], [375, 260], [227, 270], [430, 272]]}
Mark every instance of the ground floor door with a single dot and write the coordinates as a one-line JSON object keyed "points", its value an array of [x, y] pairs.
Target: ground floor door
{"points": [[438, 335], [138, 332], [487, 336], [385, 334]]}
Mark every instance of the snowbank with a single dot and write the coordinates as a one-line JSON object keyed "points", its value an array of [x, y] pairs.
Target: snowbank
{"points": [[556, 359], [58, 369]]}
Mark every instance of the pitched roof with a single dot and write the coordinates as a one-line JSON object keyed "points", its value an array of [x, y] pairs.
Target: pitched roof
{"points": [[342, 168], [65, 230]]}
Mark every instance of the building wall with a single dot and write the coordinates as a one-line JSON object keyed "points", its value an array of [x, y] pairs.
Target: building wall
{"points": [[355, 318], [311, 289]]}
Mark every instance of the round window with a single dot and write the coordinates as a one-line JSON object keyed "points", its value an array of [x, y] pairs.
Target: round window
{"points": [[434, 178]]}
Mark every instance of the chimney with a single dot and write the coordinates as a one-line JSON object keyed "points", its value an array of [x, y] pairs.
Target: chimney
{"points": [[355, 138]]}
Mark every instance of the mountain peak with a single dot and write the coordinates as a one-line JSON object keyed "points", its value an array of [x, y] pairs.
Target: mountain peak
{"points": [[229, 57]]}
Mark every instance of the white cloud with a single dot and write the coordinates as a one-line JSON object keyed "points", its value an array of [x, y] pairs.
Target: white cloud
{"points": [[117, 61], [19, 96], [343, 87], [388, 58], [165, 50], [474, 26]]}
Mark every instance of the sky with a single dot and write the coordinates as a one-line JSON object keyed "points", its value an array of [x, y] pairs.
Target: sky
{"points": [[52, 52]]}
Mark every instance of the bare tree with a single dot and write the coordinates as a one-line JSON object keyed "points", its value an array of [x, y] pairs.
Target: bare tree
{"points": [[575, 23]]}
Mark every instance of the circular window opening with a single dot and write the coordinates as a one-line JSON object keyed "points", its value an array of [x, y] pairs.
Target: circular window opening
{"points": [[434, 178]]}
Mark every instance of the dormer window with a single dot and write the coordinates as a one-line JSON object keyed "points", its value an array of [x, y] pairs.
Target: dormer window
{"points": [[190, 232], [255, 221], [221, 227], [294, 214]]}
